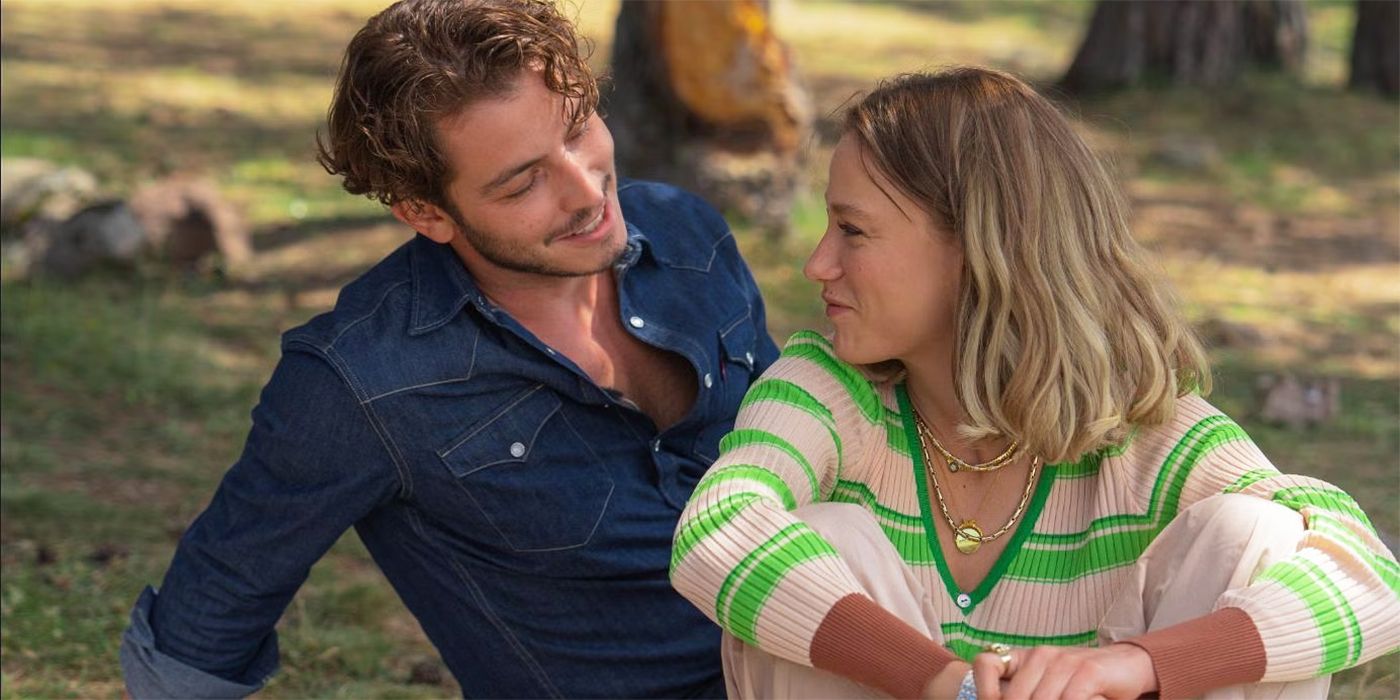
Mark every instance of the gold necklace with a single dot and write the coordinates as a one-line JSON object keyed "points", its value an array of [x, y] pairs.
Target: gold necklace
{"points": [[1007, 456], [967, 535]]}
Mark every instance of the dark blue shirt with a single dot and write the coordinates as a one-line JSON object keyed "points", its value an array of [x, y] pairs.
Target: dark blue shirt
{"points": [[522, 512]]}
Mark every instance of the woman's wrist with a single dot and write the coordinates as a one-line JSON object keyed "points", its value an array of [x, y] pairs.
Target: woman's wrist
{"points": [[945, 685]]}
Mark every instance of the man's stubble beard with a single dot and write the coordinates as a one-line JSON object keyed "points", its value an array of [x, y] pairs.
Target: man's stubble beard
{"points": [[517, 258]]}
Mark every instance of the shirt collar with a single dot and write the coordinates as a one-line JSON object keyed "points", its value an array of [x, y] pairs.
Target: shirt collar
{"points": [[442, 285]]}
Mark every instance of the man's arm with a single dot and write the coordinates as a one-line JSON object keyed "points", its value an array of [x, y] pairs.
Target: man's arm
{"points": [[312, 466]]}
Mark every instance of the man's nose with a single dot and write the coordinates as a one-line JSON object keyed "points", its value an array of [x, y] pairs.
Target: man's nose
{"points": [[582, 187]]}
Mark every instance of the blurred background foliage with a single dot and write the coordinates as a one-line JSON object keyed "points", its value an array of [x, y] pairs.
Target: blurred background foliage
{"points": [[1272, 204]]}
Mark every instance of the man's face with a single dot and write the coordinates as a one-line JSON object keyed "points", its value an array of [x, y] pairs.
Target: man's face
{"points": [[531, 194]]}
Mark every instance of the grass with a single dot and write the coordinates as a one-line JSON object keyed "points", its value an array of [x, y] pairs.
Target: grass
{"points": [[124, 398]]}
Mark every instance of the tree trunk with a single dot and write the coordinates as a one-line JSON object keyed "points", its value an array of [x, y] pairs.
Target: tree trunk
{"points": [[1186, 42], [1375, 47], [705, 97]]}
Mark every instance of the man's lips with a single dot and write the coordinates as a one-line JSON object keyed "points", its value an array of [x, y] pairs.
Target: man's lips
{"points": [[592, 226]]}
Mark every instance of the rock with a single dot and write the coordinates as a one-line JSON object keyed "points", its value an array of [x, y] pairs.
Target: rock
{"points": [[36, 190], [426, 672], [105, 234], [1219, 333], [1184, 152], [107, 553], [1296, 402], [185, 220]]}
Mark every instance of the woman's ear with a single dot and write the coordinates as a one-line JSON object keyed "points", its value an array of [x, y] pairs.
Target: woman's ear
{"points": [[425, 218]]}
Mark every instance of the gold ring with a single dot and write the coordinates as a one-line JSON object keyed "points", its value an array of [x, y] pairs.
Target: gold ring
{"points": [[1003, 653]]}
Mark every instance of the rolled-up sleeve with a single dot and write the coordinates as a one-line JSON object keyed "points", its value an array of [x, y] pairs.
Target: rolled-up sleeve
{"points": [[151, 674], [313, 465]]}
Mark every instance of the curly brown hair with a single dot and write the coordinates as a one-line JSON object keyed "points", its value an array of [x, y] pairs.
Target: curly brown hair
{"points": [[420, 61]]}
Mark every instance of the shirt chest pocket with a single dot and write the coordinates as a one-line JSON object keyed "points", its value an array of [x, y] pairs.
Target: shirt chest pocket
{"points": [[532, 475]]}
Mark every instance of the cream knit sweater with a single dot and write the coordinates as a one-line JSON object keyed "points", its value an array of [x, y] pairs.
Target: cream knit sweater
{"points": [[815, 429]]}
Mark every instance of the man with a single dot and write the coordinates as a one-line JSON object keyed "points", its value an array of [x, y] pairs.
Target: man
{"points": [[511, 409]]}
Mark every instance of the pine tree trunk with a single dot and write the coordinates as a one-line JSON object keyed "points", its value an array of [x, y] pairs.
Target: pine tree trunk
{"points": [[705, 97], [1186, 42], [1375, 47]]}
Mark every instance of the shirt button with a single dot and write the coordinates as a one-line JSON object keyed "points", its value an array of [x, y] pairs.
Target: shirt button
{"points": [[636, 322], [709, 381], [656, 445], [748, 357], [549, 350], [964, 600], [517, 449]]}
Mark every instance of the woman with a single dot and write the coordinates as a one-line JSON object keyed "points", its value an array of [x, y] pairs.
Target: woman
{"points": [[998, 477]]}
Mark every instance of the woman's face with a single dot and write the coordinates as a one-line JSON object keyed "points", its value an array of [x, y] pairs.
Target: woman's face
{"points": [[889, 277]]}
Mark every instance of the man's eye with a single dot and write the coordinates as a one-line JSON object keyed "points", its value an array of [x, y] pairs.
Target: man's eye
{"points": [[526, 189], [578, 133], [850, 230]]}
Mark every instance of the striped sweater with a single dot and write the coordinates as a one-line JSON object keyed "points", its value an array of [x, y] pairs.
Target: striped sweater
{"points": [[816, 429]]}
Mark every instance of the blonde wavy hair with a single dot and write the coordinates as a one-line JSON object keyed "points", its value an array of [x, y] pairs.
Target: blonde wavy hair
{"points": [[1066, 338]]}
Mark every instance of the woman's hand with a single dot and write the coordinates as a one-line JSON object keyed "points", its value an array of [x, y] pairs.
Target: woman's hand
{"points": [[944, 686], [1114, 672]]}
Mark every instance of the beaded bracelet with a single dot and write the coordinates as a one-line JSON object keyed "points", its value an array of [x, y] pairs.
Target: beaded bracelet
{"points": [[968, 689]]}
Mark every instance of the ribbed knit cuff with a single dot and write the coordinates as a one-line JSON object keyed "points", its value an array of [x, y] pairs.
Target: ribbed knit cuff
{"points": [[866, 643], [1219, 649]]}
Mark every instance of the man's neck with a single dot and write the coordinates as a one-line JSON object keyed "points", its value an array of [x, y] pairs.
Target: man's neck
{"points": [[549, 306]]}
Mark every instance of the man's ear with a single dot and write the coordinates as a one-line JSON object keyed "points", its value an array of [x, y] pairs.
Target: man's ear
{"points": [[425, 218]]}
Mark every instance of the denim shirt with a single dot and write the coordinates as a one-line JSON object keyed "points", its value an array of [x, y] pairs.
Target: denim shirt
{"points": [[522, 512]]}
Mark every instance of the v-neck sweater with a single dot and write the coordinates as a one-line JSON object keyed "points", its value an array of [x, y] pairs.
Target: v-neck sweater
{"points": [[815, 429]]}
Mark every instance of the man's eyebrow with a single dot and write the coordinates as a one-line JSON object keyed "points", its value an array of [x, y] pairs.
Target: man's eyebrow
{"points": [[509, 173]]}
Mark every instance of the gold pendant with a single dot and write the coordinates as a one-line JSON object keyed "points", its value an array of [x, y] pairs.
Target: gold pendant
{"points": [[968, 537]]}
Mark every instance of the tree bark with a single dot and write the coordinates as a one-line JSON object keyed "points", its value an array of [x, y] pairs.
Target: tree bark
{"points": [[1375, 47], [1186, 42], [705, 96]]}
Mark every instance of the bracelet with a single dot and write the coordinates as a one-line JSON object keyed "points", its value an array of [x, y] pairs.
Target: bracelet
{"points": [[968, 689]]}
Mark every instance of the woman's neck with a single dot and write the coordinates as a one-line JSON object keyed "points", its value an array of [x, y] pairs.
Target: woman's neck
{"points": [[932, 389]]}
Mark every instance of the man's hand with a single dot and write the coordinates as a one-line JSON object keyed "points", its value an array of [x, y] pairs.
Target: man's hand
{"points": [[1114, 672]]}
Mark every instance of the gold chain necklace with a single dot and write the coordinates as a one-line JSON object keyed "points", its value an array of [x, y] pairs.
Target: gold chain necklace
{"points": [[1007, 456], [967, 535]]}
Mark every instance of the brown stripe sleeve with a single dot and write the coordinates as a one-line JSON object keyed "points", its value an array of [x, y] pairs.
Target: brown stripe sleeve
{"points": [[866, 643], [1209, 652]]}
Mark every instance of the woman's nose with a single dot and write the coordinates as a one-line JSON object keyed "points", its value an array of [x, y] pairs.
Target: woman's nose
{"points": [[821, 265]]}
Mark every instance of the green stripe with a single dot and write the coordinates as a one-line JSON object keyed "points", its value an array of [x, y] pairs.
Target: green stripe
{"points": [[1336, 623], [1065, 557], [706, 522], [861, 391], [748, 436], [1296, 497], [956, 636], [861, 494], [895, 439], [1102, 553], [1204, 436], [903, 531], [758, 587], [785, 392], [752, 472], [807, 336], [745, 565], [1089, 464], [1333, 526], [1250, 478]]}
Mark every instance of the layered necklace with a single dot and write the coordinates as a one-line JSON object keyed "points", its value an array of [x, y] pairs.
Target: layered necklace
{"points": [[967, 533]]}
